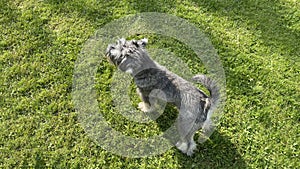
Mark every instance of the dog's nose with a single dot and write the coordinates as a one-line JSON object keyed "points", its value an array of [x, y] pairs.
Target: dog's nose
{"points": [[109, 48]]}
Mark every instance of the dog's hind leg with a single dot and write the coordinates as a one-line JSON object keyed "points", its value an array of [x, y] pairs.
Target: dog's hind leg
{"points": [[190, 139], [186, 142]]}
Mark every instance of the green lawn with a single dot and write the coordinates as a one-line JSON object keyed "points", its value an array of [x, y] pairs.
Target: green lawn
{"points": [[258, 42]]}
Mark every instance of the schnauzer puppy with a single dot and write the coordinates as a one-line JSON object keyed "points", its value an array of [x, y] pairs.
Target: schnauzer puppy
{"points": [[195, 107]]}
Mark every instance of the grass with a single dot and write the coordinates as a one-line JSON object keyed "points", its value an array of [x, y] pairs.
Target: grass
{"points": [[258, 44]]}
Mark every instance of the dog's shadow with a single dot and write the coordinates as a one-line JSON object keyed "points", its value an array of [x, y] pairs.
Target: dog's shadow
{"points": [[217, 152]]}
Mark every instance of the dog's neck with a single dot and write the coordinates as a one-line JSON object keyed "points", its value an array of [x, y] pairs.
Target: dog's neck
{"points": [[148, 78], [148, 74]]}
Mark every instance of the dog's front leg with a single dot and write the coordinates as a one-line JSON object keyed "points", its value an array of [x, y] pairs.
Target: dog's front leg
{"points": [[145, 104]]}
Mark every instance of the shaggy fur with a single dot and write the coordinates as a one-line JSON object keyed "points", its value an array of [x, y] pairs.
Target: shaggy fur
{"points": [[155, 81]]}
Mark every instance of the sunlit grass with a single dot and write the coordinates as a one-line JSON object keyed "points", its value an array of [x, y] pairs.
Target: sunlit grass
{"points": [[258, 44]]}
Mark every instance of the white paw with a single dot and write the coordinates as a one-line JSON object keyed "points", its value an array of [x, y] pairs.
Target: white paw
{"points": [[182, 146], [144, 107], [191, 149]]}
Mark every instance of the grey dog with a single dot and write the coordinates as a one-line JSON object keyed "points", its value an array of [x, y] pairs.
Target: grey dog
{"points": [[195, 107]]}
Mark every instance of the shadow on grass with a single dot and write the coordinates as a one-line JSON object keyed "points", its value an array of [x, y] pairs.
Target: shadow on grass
{"points": [[153, 5], [102, 12], [267, 16], [218, 152]]}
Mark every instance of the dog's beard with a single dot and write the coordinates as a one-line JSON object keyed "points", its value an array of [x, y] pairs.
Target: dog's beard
{"points": [[133, 63], [130, 56], [115, 57], [126, 66]]}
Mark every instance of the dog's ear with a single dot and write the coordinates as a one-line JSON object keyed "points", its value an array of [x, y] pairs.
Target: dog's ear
{"points": [[121, 41], [135, 43], [142, 42]]}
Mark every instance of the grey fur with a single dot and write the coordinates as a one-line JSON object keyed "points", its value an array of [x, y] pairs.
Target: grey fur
{"points": [[195, 107]]}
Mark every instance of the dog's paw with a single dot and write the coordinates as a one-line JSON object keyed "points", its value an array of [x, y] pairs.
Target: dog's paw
{"points": [[191, 149], [144, 107], [186, 148], [182, 146], [190, 153]]}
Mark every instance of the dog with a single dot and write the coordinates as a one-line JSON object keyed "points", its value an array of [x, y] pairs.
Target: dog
{"points": [[195, 107]]}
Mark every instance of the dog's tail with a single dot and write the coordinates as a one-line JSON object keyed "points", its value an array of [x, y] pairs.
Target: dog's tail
{"points": [[214, 99], [212, 87]]}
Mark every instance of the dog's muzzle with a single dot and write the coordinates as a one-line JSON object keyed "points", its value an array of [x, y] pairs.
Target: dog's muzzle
{"points": [[108, 49], [108, 53]]}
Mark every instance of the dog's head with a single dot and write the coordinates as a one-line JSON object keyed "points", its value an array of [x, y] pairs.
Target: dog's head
{"points": [[129, 56]]}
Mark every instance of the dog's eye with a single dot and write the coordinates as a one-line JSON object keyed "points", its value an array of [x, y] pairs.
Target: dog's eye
{"points": [[123, 57]]}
